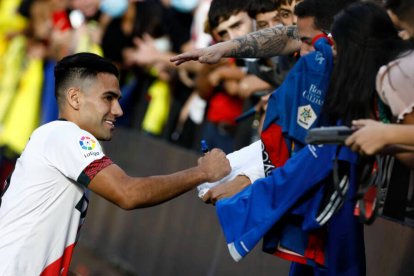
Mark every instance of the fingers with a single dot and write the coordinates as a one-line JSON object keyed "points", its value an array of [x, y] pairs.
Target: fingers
{"points": [[175, 58], [361, 123], [208, 198], [355, 147], [196, 55], [204, 60], [360, 146], [213, 79], [147, 38], [137, 41], [350, 140], [218, 151], [177, 61]]}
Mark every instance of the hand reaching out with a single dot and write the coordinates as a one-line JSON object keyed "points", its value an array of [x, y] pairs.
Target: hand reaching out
{"points": [[144, 53], [369, 139], [227, 189], [214, 164], [208, 55]]}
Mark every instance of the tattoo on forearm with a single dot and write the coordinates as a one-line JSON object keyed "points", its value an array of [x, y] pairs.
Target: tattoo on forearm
{"points": [[292, 32], [265, 43]]}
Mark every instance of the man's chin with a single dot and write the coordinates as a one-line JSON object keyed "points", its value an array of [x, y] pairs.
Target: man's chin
{"points": [[106, 137]]}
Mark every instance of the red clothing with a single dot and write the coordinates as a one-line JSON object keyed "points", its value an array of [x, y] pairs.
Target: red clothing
{"points": [[224, 108]]}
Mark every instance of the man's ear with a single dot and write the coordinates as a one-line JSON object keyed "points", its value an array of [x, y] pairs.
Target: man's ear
{"points": [[73, 97]]}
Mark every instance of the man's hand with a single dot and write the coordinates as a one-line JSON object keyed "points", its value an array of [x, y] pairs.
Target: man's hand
{"points": [[227, 189], [215, 165], [144, 52], [369, 139], [209, 55], [278, 40]]}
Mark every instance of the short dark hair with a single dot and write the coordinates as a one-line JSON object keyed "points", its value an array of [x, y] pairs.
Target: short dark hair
{"points": [[323, 11], [221, 10], [71, 69], [262, 6]]}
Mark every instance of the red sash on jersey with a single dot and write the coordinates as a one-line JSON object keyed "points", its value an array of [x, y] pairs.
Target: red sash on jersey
{"points": [[61, 265]]}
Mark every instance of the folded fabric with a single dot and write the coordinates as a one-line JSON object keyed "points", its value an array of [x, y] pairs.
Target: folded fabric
{"points": [[297, 103], [246, 217], [286, 123], [292, 110], [246, 161]]}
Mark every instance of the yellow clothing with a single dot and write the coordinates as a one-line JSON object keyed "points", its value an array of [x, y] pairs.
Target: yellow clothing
{"points": [[23, 116], [158, 108], [9, 80]]}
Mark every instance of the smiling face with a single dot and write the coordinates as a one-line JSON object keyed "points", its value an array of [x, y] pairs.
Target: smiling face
{"points": [[98, 105]]}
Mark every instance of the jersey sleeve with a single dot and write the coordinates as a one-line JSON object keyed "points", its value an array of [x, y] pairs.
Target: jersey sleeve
{"points": [[77, 154]]}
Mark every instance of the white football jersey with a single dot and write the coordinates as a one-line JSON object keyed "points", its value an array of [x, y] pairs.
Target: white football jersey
{"points": [[45, 205]]}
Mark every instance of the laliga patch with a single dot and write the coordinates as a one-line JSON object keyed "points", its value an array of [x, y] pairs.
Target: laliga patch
{"points": [[87, 146], [306, 116]]}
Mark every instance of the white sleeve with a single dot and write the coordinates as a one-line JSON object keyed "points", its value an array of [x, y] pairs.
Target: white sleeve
{"points": [[72, 150], [246, 161]]}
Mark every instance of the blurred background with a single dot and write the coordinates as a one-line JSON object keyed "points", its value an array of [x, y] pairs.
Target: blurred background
{"points": [[159, 133]]}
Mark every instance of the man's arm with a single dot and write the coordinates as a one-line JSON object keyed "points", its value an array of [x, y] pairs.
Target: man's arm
{"points": [[265, 43], [128, 192], [227, 189]]}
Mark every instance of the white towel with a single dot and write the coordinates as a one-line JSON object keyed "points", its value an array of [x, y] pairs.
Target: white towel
{"points": [[246, 161]]}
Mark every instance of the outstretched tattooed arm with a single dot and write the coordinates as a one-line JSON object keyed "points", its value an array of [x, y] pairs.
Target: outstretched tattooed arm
{"points": [[269, 42], [265, 43]]}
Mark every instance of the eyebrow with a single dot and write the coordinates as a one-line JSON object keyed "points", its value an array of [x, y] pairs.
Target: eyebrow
{"points": [[285, 10], [235, 24], [114, 94]]}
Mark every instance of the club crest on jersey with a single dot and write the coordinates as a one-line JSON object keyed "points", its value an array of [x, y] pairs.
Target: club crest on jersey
{"points": [[306, 116], [88, 144]]}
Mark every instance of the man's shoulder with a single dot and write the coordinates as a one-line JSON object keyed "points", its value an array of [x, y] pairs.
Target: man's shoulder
{"points": [[58, 131], [58, 127]]}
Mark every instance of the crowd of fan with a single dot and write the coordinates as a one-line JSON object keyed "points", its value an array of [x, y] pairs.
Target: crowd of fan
{"points": [[223, 101], [139, 37], [180, 104]]}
